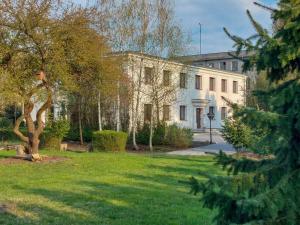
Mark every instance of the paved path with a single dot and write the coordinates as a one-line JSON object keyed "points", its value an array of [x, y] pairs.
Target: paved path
{"points": [[220, 144]]}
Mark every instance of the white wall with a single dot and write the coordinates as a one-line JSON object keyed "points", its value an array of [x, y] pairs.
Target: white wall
{"points": [[190, 96]]}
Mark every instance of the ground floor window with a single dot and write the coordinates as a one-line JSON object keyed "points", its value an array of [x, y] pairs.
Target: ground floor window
{"points": [[182, 112], [147, 112], [223, 113], [166, 113]]}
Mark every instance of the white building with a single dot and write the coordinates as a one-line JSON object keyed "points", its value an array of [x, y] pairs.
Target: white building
{"points": [[197, 90]]}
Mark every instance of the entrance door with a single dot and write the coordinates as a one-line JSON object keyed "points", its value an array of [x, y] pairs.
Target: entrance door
{"points": [[198, 117]]}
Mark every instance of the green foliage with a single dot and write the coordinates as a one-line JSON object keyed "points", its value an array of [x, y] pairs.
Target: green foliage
{"points": [[73, 134], [265, 191], [109, 140], [158, 134], [178, 137], [5, 122], [55, 132], [171, 135]]}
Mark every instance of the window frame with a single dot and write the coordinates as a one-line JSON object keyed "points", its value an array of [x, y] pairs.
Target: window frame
{"points": [[182, 117], [168, 107], [166, 73], [198, 78], [213, 84], [224, 88], [235, 87], [148, 78], [183, 81], [224, 113], [146, 113]]}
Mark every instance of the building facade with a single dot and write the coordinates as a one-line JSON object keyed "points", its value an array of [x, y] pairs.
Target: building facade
{"points": [[186, 92], [219, 60]]}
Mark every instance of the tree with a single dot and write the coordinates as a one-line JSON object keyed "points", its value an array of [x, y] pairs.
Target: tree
{"points": [[148, 27], [35, 58], [265, 191]]}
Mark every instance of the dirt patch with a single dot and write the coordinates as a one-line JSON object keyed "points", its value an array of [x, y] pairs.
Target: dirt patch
{"points": [[45, 159], [76, 147], [7, 208]]}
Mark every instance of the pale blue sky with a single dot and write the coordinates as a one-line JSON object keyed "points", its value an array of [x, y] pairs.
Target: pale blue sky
{"points": [[214, 15]]}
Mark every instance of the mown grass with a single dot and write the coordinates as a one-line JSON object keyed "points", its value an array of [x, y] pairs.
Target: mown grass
{"points": [[103, 188]]}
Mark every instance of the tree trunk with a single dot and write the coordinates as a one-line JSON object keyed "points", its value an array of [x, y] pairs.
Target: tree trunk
{"points": [[99, 111], [118, 108], [80, 120], [136, 112], [151, 131]]}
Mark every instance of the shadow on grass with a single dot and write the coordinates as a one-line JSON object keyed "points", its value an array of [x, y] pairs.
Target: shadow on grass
{"points": [[137, 199]]}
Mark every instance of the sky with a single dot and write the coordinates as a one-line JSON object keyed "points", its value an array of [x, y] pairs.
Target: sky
{"points": [[216, 14], [213, 16]]}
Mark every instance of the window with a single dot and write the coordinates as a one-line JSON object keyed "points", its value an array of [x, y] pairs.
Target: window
{"points": [[198, 82], [212, 84], [211, 65], [148, 75], [223, 65], [147, 112], [166, 78], [224, 85], [235, 87], [182, 80], [234, 65], [182, 112], [166, 113], [223, 113]]}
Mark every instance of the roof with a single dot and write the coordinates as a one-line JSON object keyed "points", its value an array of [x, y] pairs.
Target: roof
{"points": [[211, 56], [177, 62]]}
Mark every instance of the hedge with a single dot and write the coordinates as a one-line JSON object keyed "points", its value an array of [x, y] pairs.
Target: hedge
{"points": [[109, 140]]}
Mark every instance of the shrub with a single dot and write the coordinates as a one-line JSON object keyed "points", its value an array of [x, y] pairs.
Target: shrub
{"points": [[237, 134], [158, 135], [5, 123], [73, 134], [55, 133], [109, 140], [178, 137]]}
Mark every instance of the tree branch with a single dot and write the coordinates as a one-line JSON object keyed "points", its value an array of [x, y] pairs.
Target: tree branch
{"points": [[18, 132]]}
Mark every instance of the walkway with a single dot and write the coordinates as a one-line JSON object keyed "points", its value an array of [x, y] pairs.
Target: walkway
{"points": [[220, 144]]}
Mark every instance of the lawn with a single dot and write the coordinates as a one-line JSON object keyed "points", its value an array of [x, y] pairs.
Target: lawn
{"points": [[103, 188]]}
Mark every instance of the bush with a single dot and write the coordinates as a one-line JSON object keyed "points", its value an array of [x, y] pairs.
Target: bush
{"points": [[178, 137], [109, 140], [73, 134], [5, 123], [55, 133], [237, 134], [172, 135]]}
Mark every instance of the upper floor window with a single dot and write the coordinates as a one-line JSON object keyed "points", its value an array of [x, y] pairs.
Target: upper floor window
{"points": [[223, 65], [166, 78], [198, 82], [223, 113], [147, 112], [182, 113], [234, 65], [166, 112], [183, 80], [235, 87], [224, 85], [212, 84], [148, 75]]}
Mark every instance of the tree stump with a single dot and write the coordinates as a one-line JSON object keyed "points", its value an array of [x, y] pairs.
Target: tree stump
{"points": [[21, 151]]}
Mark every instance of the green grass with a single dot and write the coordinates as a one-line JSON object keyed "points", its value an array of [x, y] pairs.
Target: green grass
{"points": [[103, 188]]}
